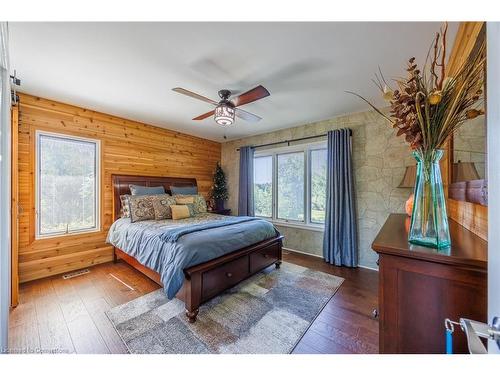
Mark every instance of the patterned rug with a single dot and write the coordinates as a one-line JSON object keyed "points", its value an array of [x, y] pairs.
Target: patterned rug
{"points": [[267, 313]]}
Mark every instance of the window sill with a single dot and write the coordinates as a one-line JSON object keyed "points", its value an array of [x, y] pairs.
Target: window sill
{"points": [[39, 237], [311, 227]]}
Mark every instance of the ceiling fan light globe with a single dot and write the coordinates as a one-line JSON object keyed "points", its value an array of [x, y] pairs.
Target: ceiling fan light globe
{"points": [[224, 114], [224, 121]]}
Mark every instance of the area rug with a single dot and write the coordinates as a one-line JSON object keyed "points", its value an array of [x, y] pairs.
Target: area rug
{"points": [[267, 313]]}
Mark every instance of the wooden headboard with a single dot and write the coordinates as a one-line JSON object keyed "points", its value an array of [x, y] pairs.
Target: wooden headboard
{"points": [[121, 186]]}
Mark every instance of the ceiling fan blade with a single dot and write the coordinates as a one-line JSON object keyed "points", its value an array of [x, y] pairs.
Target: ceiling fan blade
{"points": [[247, 116], [250, 96], [180, 90], [204, 116]]}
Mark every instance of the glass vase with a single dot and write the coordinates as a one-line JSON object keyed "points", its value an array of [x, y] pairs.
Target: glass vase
{"points": [[429, 220]]}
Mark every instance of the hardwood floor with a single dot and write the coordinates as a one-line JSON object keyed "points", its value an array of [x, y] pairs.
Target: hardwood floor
{"points": [[69, 315], [346, 324], [57, 315]]}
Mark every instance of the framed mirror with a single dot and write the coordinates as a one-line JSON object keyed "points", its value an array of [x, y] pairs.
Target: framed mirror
{"points": [[468, 158], [469, 179]]}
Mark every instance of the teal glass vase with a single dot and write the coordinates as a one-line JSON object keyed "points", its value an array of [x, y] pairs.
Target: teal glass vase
{"points": [[429, 220]]}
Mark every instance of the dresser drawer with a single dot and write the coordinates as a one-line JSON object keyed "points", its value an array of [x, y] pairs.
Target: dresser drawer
{"points": [[224, 276], [264, 257]]}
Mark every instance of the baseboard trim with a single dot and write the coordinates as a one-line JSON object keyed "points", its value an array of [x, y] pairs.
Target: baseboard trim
{"points": [[302, 252], [321, 257], [368, 268]]}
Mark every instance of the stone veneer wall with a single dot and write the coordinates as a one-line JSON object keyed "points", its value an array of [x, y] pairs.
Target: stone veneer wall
{"points": [[379, 159]]}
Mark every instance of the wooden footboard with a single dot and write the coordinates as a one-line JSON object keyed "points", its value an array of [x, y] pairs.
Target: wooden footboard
{"points": [[206, 280]]}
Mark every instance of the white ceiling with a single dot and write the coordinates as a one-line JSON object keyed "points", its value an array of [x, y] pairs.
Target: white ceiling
{"points": [[129, 69]]}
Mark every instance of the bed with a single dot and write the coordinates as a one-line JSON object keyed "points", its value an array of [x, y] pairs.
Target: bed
{"points": [[215, 259]]}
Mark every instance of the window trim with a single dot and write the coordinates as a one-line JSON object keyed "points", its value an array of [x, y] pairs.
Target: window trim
{"points": [[306, 148], [97, 227]]}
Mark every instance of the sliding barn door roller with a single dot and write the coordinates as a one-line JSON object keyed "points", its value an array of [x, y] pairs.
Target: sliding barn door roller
{"points": [[15, 83]]}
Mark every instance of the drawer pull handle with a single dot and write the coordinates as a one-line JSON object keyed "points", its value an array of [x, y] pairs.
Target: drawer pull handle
{"points": [[266, 255], [229, 274]]}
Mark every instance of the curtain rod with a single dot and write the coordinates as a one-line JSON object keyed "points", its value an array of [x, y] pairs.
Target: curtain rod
{"points": [[293, 140]]}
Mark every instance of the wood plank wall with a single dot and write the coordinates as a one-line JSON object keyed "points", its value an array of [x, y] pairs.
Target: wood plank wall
{"points": [[472, 216], [127, 147]]}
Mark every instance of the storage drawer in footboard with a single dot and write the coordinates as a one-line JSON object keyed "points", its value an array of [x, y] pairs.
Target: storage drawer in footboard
{"points": [[264, 257], [224, 276]]}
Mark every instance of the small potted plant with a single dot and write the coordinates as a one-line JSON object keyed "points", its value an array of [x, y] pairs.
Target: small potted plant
{"points": [[219, 188]]}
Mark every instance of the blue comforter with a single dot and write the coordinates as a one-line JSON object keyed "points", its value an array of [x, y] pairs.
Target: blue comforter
{"points": [[197, 240], [174, 234]]}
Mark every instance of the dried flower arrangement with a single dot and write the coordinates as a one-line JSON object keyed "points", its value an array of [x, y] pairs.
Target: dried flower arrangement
{"points": [[427, 107]]}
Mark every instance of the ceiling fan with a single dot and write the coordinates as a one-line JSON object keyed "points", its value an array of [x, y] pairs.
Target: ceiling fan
{"points": [[226, 108]]}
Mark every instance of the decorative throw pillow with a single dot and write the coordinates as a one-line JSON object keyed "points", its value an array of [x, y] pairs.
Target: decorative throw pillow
{"points": [[184, 200], [192, 210], [125, 208], [200, 204], [184, 190], [181, 211], [146, 190], [141, 207], [162, 205]]}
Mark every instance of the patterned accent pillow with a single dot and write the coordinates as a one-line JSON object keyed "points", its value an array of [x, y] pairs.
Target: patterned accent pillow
{"points": [[125, 208], [162, 205], [181, 211], [200, 204], [192, 209], [141, 207]]}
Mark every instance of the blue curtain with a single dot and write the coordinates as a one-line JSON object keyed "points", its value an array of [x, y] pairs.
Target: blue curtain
{"points": [[340, 238], [245, 199]]}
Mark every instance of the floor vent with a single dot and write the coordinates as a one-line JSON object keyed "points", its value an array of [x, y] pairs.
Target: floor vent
{"points": [[75, 274]]}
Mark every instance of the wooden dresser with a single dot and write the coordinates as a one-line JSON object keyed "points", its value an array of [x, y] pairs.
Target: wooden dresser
{"points": [[419, 287]]}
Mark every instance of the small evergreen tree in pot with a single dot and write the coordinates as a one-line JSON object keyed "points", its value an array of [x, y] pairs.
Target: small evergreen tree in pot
{"points": [[219, 189]]}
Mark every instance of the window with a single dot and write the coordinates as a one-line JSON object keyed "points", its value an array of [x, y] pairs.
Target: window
{"points": [[318, 186], [67, 179], [290, 184], [263, 186]]}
